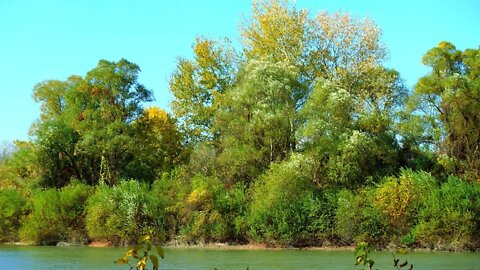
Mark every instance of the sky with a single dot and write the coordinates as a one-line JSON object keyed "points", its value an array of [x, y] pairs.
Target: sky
{"points": [[53, 39]]}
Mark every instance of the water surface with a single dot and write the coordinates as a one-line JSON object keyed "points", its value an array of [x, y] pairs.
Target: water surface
{"points": [[79, 258]]}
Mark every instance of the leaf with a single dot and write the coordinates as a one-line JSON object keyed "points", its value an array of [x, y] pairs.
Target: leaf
{"points": [[160, 252], [403, 264], [143, 239], [359, 259], [154, 260], [142, 264], [122, 260]]}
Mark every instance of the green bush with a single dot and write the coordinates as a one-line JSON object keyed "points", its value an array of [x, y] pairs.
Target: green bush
{"points": [[233, 203], [357, 220], [57, 215], [201, 218], [44, 224], [451, 217], [320, 209], [285, 209], [72, 200], [12, 205], [120, 213]]}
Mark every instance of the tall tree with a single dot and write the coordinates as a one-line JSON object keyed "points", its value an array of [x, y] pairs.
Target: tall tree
{"points": [[86, 126], [449, 97], [196, 84], [257, 119], [331, 46], [157, 145]]}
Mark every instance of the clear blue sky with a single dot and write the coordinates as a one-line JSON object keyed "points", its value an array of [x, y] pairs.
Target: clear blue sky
{"points": [[42, 40]]}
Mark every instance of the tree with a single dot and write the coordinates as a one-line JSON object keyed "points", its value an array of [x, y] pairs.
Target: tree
{"points": [[158, 145], [449, 99], [257, 118], [197, 83], [276, 32], [86, 124], [331, 46], [350, 132]]}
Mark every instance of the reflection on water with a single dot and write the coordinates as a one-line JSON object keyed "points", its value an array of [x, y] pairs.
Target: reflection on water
{"points": [[80, 258]]}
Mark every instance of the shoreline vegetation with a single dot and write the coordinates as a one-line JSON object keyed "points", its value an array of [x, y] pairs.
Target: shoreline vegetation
{"points": [[300, 138]]}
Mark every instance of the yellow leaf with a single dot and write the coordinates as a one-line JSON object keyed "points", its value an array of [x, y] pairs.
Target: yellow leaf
{"points": [[122, 260]]}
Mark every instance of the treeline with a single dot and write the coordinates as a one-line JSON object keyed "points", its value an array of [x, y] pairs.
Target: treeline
{"points": [[300, 137]]}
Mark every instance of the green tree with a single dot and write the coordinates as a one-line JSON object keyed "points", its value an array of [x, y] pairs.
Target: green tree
{"points": [[196, 85], [449, 99], [86, 126], [157, 146], [20, 169], [350, 132], [450, 216], [257, 119]]}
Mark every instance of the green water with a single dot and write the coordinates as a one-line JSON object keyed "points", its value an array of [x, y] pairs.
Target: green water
{"points": [[76, 258]]}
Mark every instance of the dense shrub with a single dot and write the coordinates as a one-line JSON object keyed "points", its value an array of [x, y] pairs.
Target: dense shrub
{"points": [[232, 204], [284, 205], [357, 220], [212, 212], [72, 200], [44, 224], [400, 198], [451, 216], [12, 205], [57, 215], [122, 212]]}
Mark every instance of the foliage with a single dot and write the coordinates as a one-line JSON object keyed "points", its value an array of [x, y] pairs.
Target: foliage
{"points": [[145, 246], [282, 203], [19, 169], [257, 119], [57, 215], [119, 213], [400, 199], [157, 146], [349, 141], [298, 136], [357, 220], [13, 205], [450, 217], [197, 83], [85, 130], [449, 99], [362, 252], [209, 211], [363, 257]]}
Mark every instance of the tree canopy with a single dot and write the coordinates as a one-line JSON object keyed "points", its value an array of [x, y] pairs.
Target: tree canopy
{"points": [[299, 135]]}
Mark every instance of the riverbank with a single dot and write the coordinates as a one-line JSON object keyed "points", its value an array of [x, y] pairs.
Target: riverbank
{"points": [[252, 246]]}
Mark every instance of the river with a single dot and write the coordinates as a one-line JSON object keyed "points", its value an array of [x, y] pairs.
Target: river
{"points": [[81, 258]]}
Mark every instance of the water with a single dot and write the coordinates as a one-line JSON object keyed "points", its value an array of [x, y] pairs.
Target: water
{"points": [[80, 258]]}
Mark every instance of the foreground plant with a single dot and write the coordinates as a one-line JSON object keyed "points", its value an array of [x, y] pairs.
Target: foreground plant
{"points": [[142, 253], [362, 257], [362, 253]]}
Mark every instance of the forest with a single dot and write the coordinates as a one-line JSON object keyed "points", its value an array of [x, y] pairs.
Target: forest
{"points": [[298, 136]]}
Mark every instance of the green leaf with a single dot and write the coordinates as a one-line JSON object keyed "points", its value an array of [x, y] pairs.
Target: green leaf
{"points": [[154, 260], [160, 252]]}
